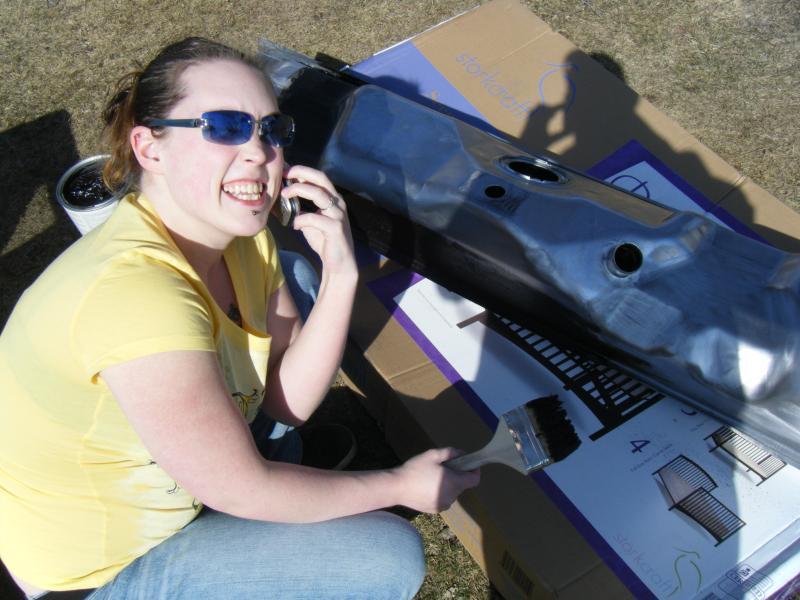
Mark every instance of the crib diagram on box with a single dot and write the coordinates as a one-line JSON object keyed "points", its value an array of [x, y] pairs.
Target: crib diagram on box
{"points": [[689, 489], [747, 452]]}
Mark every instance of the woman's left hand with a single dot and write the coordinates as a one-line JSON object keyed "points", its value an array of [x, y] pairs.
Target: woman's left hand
{"points": [[327, 230]]}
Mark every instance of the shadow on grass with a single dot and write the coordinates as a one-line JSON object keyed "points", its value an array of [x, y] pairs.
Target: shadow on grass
{"points": [[34, 156]]}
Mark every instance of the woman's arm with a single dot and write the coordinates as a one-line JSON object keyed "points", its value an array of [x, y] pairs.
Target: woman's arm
{"points": [[306, 361], [179, 406]]}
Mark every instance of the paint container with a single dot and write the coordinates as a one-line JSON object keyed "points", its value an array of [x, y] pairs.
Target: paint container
{"points": [[82, 193]]}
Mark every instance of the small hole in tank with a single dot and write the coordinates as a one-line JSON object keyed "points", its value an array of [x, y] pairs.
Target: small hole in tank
{"points": [[627, 258], [495, 191]]}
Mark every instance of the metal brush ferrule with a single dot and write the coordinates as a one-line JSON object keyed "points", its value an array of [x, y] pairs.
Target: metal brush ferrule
{"points": [[531, 451]]}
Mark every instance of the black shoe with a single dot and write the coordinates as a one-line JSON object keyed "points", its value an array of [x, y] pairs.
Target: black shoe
{"points": [[327, 446]]}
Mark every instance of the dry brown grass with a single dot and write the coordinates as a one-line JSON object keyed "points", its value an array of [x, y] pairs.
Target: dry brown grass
{"points": [[727, 70]]}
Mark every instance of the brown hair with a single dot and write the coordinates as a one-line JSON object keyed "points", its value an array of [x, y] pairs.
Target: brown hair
{"points": [[150, 93]]}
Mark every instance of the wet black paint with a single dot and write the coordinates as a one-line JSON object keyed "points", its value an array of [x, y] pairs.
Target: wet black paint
{"points": [[85, 188]]}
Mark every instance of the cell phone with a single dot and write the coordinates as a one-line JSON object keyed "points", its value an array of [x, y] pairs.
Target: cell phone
{"points": [[286, 209]]}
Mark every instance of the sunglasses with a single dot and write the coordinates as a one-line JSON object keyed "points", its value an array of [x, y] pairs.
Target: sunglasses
{"points": [[233, 127]]}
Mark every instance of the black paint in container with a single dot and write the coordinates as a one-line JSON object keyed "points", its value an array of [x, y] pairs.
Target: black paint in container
{"points": [[84, 196]]}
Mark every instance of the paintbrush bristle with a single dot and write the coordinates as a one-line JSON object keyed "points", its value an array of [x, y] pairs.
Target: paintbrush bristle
{"points": [[553, 428]]}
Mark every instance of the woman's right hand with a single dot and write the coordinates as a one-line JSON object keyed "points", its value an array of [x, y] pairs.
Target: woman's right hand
{"points": [[327, 230], [429, 486]]}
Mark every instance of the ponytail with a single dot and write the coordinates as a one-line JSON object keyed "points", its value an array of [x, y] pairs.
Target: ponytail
{"points": [[119, 117]]}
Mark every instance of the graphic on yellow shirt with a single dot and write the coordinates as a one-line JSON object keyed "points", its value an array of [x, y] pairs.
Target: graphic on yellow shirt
{"points": [[175, 487], [245, 401]]}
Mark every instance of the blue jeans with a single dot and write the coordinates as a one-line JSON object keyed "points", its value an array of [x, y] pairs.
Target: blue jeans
{"points": [[301, 279], [372, 556], [217, 556]]}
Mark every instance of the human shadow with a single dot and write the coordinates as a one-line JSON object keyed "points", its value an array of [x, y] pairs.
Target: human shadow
{"points": [[34, 156], [580, 125]]}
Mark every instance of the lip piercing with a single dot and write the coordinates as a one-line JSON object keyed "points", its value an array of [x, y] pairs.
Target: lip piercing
{"points": [[254, 212]]}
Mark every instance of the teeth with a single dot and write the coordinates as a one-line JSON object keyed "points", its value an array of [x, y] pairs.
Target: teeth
{"points": [[245, 191]]}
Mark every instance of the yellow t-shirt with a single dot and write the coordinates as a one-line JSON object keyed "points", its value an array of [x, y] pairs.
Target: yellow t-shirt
{"points": [[80, 496]]}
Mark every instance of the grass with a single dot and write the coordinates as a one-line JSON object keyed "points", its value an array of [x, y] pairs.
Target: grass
{"points": [[726, 71]]}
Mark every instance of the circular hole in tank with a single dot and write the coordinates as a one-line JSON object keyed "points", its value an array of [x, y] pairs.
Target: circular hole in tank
{"points": [[495, 191], [627, 258]]}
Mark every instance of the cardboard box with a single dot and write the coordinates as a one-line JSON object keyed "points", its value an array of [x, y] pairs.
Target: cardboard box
{"points": [[529, 535], [600, 524]]}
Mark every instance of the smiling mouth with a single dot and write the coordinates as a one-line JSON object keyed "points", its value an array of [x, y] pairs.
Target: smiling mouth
{"points": [[245, 192]]}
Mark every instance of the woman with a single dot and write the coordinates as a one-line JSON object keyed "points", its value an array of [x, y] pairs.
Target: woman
{"points": [[132, 367]]}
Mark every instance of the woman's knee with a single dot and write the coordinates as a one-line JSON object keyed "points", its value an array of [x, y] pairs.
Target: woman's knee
{"points": [[396, 558], [372, 556]]}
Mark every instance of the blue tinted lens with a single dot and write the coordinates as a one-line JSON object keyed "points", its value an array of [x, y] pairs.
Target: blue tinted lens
{"points": [[277, 130], [229, 127]]}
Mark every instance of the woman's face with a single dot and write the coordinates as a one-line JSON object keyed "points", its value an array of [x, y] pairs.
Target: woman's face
{"points": [[217, 191]]}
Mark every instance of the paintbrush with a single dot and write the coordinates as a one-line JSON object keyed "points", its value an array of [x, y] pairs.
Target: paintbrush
{"points": [[527, 438]]}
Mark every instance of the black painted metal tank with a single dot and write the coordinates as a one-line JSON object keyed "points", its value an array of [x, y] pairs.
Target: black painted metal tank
{"points": [[694, 309]]}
